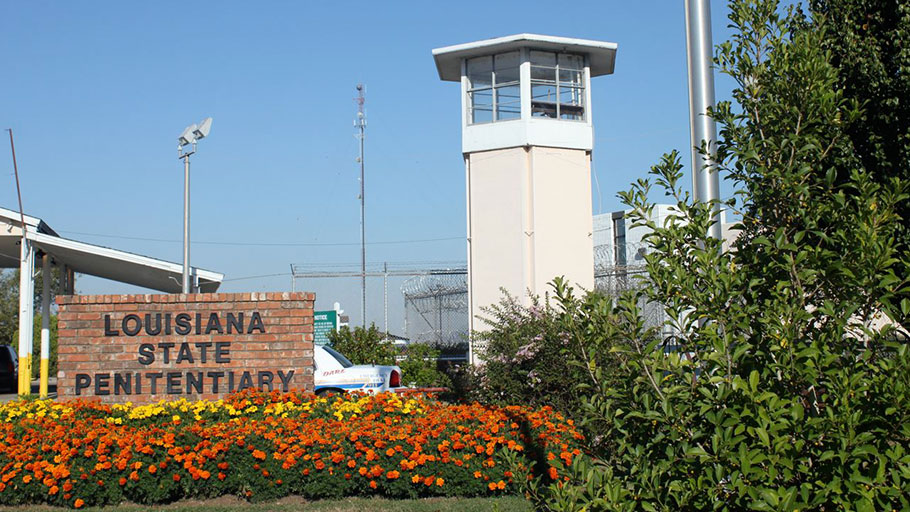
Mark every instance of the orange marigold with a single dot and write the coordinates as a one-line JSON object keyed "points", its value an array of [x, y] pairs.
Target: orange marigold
{"points": [[373, 484], [392, 475], [78, 503]]}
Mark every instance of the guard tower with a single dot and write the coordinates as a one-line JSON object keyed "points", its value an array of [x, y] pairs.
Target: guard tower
{"points": [[527, 136]]}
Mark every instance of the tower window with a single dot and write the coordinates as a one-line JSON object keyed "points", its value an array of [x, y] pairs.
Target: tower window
{"points": [[619, 240], [557, 85], [494, 93]]}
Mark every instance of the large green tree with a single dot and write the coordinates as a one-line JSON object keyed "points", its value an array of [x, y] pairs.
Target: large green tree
{"points": [[869, 46], [9, 300], [778, 391], [9, 306], [9, 315]]}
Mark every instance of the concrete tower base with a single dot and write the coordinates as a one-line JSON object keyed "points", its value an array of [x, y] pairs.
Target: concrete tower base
{"points": [[532, 206]]}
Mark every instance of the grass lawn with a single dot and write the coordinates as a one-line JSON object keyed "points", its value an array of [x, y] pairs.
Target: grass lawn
{"points": [[292, 504]]}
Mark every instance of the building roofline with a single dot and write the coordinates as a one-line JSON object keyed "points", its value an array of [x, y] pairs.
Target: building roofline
{"points": [[601, 54]]}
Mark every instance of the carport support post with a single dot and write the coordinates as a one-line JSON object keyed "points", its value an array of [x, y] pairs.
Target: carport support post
{"points": [[26, 312], [70, 281], [45, 322]]}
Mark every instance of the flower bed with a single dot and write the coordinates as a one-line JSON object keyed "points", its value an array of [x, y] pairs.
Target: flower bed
{"points": [[263, 446]]}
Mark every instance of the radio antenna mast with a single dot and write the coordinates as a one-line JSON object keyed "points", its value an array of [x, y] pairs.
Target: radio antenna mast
{"points": [[361, 123]]}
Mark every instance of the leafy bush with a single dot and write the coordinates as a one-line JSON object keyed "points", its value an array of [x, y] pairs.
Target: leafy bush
{"points": [[262, 446], [363, 346], [369, 346], [782, 389], [419, 367], [528, 352]]}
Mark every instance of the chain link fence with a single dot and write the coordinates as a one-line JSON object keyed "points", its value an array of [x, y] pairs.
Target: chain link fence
{"points": [[436, 312], [614, 279]]}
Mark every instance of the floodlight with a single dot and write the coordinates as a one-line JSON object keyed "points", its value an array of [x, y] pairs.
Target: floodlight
{"points": [[204, 128], [187, 137]]}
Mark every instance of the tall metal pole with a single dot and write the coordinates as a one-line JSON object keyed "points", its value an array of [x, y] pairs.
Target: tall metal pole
{"points": [[361, 123], [26, 290], [705, 182], [186, 221], [385, 296]]}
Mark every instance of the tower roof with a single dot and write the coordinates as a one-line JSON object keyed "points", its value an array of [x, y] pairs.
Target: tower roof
{"points": [[601, 54]]}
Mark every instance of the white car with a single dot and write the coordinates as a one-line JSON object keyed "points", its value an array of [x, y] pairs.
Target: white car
{"points": [[334, 373]]}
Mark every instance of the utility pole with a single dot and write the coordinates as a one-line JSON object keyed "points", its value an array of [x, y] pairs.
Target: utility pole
{"points": [[385, 297], [361, 123], [702, 129]]}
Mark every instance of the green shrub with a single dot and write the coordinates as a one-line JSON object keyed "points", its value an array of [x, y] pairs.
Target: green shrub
{"points": [[363, 346], [780, 391], [369, 346], [530, 354], [419, 367], [522, 355]]}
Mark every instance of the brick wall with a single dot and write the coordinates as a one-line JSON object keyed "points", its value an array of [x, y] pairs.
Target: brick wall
{"points": [[144, 348]]}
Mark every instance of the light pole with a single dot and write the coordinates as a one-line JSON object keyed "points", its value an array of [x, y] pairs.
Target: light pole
{"points": [[702, 130], [361, 123], [190, 136]]}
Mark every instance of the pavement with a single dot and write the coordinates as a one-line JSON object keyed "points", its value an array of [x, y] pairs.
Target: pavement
{"points": [[51, 390]]}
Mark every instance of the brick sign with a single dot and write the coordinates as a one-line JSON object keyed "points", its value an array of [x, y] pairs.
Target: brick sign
{"points": [[144, 348]]}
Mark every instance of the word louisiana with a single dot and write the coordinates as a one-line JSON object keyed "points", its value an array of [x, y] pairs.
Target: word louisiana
{"points": [[184, 323]]}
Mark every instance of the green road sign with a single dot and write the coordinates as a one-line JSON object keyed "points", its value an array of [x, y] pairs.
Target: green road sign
{"points": [[323, 323]]}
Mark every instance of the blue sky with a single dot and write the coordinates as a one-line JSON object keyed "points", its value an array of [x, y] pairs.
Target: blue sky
{"points": [[96, 93]]}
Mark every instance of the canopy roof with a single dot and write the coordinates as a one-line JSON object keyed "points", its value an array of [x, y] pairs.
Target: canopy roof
{"points": [[601, 54], [96, 260]]}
